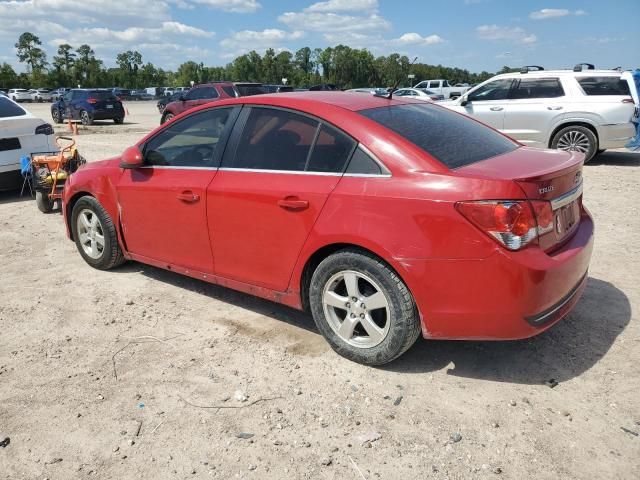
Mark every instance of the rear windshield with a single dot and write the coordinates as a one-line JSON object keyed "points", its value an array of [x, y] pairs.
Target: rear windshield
{"points": [[248, 90], [10, 109], [101, 95], [453, 139], [604, 86]]}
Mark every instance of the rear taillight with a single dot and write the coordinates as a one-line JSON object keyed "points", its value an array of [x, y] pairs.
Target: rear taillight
{"points": [[92, 101], [44, 129], [513, 223]]}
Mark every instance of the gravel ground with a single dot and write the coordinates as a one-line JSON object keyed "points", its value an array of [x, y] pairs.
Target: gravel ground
{"points": [[141, 373]]}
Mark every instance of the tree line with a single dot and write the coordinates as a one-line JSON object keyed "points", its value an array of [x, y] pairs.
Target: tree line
{"points": [[341, 65]]}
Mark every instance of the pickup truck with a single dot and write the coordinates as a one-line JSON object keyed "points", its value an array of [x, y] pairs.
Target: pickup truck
{"points": [[442, 87]]}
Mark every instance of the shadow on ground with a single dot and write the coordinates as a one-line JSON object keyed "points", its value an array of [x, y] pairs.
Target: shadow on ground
{"points": [[13, 196], [565, 351], [617, 158]]}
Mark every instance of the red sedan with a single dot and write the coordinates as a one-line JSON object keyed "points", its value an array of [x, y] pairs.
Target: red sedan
{"points": [[383, 218]]}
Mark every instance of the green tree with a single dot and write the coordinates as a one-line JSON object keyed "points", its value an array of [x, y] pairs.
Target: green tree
{"points": [[29, 52], [87, 68], [63, 65], [8, 76], [129, 63]]}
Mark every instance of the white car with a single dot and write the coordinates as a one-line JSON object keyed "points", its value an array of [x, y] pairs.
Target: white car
{"points": [[583, 110], [41, 95], [20, 95], [20, 134], [418, 94]]}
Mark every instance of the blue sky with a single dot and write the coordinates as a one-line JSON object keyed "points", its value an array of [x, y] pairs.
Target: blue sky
{"points": [[473, 34]]}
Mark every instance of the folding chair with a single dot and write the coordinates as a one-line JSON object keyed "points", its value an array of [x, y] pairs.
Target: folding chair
{"points": [[25, 170]]}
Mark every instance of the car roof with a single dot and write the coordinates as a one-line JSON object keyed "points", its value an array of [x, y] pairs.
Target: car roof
{"points": [[561, 73]]}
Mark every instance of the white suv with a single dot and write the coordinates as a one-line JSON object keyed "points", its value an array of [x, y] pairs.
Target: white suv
{"points": [[582, 110]]}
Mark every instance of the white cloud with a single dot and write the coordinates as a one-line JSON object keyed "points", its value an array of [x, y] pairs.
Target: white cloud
{"points": [[546, 13], [234, 6], [332, 22], [246, 40], [343, 6], [417, 39], [512, 34]]}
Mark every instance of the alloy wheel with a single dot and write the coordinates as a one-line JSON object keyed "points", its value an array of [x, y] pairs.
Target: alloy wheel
{"points": [[90, 233], [574, 141], [356, 308]]}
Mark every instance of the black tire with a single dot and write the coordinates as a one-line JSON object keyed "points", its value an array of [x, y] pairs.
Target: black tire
{"points": [[44, 203], [404, 322], [118, 120], [111, 255], [56, 115], [600, 152], [166, 117], [583, 132], [85, 118]]}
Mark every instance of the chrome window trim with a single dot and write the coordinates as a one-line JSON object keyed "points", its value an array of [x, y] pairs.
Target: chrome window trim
{"points": [[176, 167], [567, 198], [288, 172]]}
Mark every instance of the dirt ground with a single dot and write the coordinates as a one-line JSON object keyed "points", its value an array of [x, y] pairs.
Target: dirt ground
{"points": [[114, 375]]}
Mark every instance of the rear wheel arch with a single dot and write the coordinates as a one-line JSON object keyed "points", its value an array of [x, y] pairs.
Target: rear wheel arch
{"points": [[325, 251], [572, 124]]}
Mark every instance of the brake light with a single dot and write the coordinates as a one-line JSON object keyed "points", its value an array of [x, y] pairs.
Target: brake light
{"points": [[512, 223], [92, 101], [44, 129]]}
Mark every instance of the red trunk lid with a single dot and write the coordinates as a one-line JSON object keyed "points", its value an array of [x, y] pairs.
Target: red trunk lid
{"points": [[549, 175]]}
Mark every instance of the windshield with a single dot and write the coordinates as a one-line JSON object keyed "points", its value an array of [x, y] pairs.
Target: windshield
{"points": [[452, 138]]}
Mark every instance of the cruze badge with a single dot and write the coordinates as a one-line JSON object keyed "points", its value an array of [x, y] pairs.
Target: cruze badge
{"points": [[546, 189]]}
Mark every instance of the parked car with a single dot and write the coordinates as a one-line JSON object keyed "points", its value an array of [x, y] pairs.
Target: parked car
{"points": [[370, 91], [370, 213], [88, 105], [141, 95], [162, 103], [198, 95], [277, 88], [20, 134], [419, 94], [20, 95], [584, 110], [121, 93], [442, 87], [3, 93], [41, 95], [58, 93]]}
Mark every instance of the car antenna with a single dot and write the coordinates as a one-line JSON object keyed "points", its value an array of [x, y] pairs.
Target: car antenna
{"points": [[393, 89]]}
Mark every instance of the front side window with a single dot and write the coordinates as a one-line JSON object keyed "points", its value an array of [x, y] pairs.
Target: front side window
{"points": [[496, 90], [275, 140], [208, 92], [193, 94], [453, 139], [604, 86], [538, 88], [191, 142]]}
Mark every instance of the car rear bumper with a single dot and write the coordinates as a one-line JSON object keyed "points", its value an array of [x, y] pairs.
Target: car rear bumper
{"points": [[107, 114], [615, 135], [507, 296]]}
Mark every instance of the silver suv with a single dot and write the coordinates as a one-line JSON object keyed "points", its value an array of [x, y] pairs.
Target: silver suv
{"points": [[584, 110]]}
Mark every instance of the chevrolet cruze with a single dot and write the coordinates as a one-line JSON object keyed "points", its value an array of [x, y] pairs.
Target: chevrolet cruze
{"points": [[386, 219]]}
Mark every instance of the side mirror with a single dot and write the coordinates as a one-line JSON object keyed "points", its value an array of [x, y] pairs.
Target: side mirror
{"points": [[464, 100], [131, 158]]}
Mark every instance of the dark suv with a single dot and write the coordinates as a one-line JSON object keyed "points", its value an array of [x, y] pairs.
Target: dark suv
{"points": [[88, 105], [198, 95]]}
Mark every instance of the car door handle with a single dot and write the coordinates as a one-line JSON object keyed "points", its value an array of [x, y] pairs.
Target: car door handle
{"points": [[554, 108], [496, 109], [293, 203], [188, 196]]}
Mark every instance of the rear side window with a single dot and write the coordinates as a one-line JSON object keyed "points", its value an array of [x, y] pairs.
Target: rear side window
{"points": [[453, 139], [537, 88], [229, 91], [275, 140], [331, 151], [604, 86], [10, 109]]}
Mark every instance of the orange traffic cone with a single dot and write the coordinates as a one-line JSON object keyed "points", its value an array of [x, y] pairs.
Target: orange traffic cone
{"points": [[70, 126], [75, 129]]}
